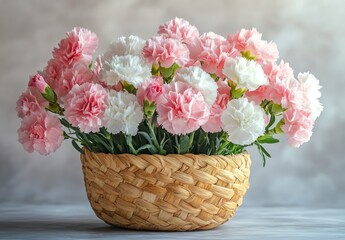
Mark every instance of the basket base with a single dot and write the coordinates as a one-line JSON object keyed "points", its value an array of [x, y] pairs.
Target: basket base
{"points": [[167, 228]]}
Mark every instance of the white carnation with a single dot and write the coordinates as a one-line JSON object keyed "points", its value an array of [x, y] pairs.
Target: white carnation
{"points": [[132, 69], [310, 88], [132, 45], [123, 113], [200, 80], [243, 120], [247, 74]]}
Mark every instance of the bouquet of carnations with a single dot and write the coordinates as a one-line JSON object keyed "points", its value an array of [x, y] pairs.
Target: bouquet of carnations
{"points": [[177, 92]]}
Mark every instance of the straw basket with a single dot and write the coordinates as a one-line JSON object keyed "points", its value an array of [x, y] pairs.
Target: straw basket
{"points": [[165, 193]]}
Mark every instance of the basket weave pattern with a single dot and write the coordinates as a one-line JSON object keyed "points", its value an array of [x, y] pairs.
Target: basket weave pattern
{"points": [[168, 193]]}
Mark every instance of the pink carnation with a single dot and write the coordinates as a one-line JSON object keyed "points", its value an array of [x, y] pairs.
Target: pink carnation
{"points": [[181, 109], [212, 50], [214, 123], [30, 102], [250, 40], [150, 90], [79, 46], [298, 126], [85, 105], [166, 51], [179, 29], [40, 132], [78, 74], [303, 109], [52, 73]]}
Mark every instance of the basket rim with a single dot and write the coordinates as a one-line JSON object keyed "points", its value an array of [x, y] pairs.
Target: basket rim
{"points": [[167, 155]]}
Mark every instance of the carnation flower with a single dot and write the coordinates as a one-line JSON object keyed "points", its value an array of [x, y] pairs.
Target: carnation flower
{"points": [[179, 29], [200, 80], [214, 123], [303, 109], [40, 132], [85, 105], [52, 73], [244, 121], [211, 50], [181, 109], [129, 68], [29, 102], [298, 126], [123, 113], [166, 51], [247, 74], [310, 88], [132, 45], [249, 42], [79, 46], [150, 89], [78, 74]]}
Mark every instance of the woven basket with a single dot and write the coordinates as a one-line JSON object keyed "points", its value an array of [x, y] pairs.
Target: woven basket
{"points": [[165, 193]]}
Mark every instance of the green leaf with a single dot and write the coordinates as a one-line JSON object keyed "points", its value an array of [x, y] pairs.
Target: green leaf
{"points": [[146, 146], [263, 157], [184, 144], [146, 136], [129, 140], [103, 142], [65, 123], [263, 152], [267, 139], [77, 147]]}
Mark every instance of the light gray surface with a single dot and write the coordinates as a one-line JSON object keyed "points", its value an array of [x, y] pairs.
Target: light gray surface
{"points": [[78, 222], [309, 34]]}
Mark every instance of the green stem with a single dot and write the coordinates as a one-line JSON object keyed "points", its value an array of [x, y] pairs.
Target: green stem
{"points": [[130, 145], [107, 136], [154, 137], [191, 139], [177, 142], [70, 137]]}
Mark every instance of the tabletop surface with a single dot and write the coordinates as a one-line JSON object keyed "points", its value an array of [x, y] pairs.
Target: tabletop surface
{"points": [[79, 222]]}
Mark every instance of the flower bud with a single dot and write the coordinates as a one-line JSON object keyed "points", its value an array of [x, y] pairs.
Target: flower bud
{"points": [[38, 82]]}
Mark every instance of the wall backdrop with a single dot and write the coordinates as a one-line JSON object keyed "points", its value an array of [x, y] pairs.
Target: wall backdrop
{"points": [[310, 36]]}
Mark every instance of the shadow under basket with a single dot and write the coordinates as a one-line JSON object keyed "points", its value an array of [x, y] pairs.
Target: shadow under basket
{"points": [[165, 193]]}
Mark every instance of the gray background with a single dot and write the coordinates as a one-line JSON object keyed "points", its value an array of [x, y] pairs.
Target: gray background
{"points": [[310, 35]]}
